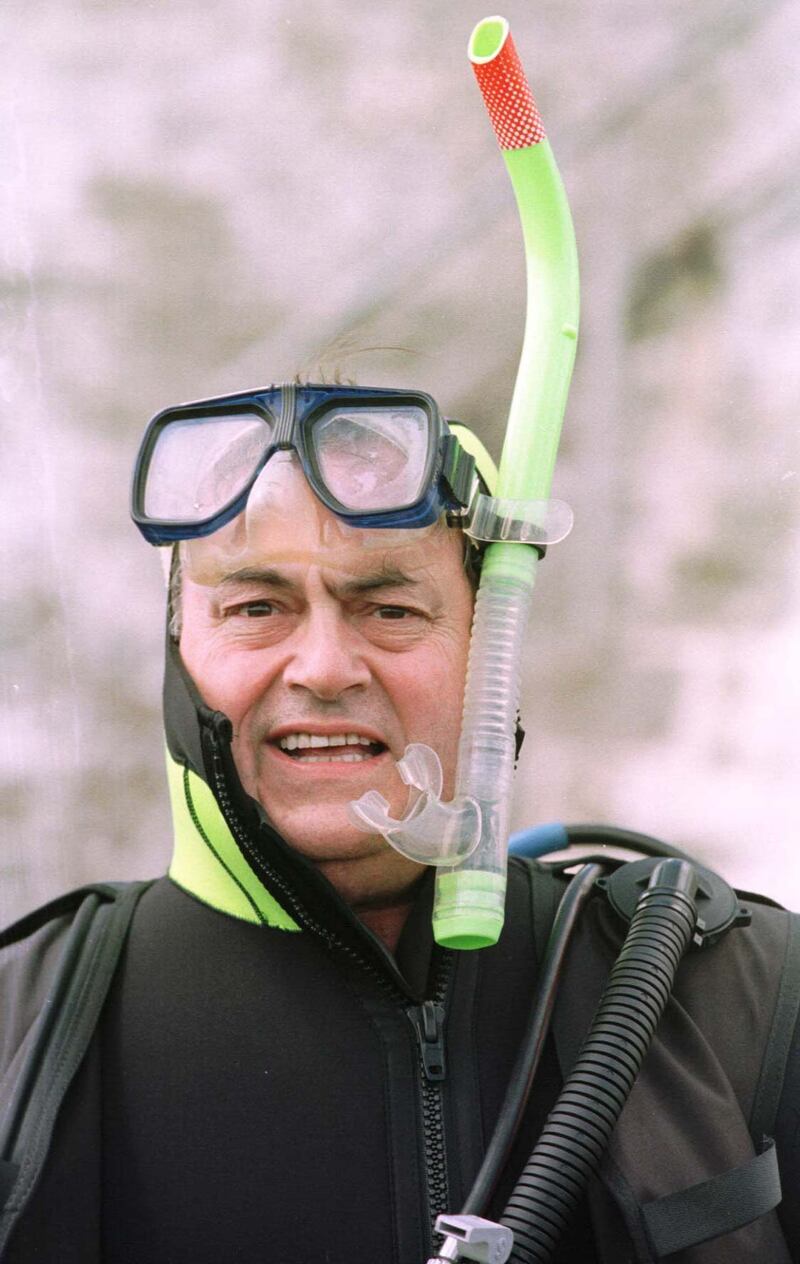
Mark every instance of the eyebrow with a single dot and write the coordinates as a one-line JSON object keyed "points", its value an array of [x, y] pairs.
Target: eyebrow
{"points": [[257, 575], [386, 577]]}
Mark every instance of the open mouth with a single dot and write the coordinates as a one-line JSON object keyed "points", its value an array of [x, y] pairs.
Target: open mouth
{"points": [[339, 748]]}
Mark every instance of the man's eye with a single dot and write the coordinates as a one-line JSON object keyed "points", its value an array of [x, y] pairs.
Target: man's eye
{"points": [[254, 609], [393, 612]]}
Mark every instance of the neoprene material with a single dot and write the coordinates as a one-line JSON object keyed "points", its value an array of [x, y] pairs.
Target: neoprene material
{"points": [[182, 1037], [206, 860], [268, 1091]]}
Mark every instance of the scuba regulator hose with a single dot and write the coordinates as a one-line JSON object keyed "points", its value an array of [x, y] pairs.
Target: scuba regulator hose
{"points": [[579, 1127]]}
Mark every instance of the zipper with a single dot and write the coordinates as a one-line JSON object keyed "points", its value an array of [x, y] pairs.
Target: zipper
{"points": [[428, 1022], [293, 904], [427, 1019]]}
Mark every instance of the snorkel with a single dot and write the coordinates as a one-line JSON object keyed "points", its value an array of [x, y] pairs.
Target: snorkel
{"points": [[470, 895]]}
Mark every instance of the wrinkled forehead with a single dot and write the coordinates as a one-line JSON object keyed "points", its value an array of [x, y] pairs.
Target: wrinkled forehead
{"points": [[284, 525]]}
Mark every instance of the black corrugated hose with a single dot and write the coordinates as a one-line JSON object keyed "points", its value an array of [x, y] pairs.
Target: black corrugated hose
{"points": [[569, 910], [580, 1124]]}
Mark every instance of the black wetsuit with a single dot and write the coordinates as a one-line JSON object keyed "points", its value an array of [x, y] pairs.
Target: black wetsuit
{"points": [[253, 1095]]}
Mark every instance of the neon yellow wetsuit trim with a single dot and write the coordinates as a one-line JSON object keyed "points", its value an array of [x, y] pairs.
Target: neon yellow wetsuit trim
{"points": [[206, 861]]}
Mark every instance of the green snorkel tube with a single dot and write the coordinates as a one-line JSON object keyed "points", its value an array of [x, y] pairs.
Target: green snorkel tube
{"points": [[467, 838], [470, 898]]}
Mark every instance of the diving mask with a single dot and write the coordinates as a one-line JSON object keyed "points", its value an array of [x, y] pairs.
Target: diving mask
{"points": [[374, 458]]}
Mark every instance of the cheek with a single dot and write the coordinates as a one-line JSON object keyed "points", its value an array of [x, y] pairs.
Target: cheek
{"points": [[227, 681], [429, 691]]}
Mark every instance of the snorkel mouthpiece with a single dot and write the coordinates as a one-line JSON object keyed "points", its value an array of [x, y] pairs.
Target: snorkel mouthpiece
{"points": [[469, 904]]}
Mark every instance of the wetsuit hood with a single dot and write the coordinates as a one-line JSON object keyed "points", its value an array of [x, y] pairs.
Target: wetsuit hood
{"points": [[226, 852], [212, 860]]}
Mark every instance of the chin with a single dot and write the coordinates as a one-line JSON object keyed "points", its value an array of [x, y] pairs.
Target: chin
{"points": [[325, 835]]}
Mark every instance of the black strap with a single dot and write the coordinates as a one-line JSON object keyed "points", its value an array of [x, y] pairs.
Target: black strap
{"points": [[776, 1053], [42, 1029], [67, 1022], [8, 1174], [70, 902], [546, 893], [714, 1207]]}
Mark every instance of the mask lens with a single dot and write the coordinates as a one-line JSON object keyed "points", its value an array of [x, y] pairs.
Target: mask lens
{"points": [[373, 459], [198, 465]]}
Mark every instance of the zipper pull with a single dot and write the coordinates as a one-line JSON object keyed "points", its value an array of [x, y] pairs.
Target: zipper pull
{"points": [[428, 1020]]}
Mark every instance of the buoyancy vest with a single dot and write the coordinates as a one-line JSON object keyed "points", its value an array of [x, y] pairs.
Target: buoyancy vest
{"points": [[692, 1154]]}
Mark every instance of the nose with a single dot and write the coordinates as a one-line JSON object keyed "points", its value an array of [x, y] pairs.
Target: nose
{"points": [[326, 657]]}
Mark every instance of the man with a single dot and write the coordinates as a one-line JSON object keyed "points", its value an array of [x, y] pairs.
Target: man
{"points": [[287, 1068], [360, 650]]}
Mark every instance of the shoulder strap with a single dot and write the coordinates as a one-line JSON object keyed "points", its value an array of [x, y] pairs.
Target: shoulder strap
{"points": [[61, 1033], [546, 893], [778, 1046], [70, 902]]}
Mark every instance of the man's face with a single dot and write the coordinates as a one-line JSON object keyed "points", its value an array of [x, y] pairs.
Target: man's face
{"points": [[307, 635]]}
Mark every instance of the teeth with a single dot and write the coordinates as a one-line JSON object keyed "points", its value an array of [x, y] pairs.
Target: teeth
{"points": [[302, 741], [350, 757]]}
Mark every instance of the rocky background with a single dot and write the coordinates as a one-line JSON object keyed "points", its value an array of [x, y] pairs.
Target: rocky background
{"points": [[198, 197]]}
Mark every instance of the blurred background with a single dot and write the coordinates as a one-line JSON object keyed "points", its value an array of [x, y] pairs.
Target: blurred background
{"points": [[196, 198]]}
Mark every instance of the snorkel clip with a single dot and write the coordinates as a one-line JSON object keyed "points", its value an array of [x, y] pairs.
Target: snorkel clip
{"points": [[502, 520]]}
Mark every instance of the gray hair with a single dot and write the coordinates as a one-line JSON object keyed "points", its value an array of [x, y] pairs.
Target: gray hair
{"points": [[174, 585]]}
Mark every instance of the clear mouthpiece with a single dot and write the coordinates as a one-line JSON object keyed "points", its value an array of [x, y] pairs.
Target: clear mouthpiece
{"points": [[432, 832]]}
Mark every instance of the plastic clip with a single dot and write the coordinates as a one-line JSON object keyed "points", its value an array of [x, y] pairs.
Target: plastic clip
{"points": [[473, 1238], [495, 519]]}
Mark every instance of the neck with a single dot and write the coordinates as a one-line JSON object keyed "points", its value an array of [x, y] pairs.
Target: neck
{"points": [[386, 923], [380, 889]]}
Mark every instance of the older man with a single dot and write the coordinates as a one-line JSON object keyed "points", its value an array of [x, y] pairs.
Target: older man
{"points": [[329, 658], [287, 1068]]}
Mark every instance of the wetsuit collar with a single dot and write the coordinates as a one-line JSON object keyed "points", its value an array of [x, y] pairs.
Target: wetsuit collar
{"points": [[206, 860]]}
